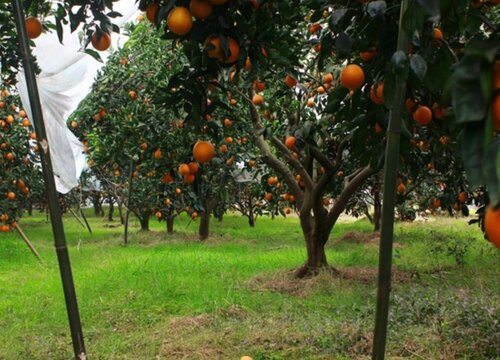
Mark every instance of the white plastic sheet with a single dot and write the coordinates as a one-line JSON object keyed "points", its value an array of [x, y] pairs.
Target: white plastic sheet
{"points": [[65, 79]]}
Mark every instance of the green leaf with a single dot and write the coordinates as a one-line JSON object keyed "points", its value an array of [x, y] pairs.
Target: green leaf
{"points": [[94, 54], [431, 7], [472, 152], [468, 98], [491, 172], [418, 65], [486, 49]]}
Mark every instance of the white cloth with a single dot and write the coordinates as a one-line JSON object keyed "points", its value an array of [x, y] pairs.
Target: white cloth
{"points": [[65, 79]]}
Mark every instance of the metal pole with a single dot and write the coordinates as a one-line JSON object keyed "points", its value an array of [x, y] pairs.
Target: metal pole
{"points": [[48, 175], [387, 230]]}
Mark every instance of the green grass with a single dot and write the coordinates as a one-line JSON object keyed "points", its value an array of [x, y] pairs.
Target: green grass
{"points": [[171, 297]]}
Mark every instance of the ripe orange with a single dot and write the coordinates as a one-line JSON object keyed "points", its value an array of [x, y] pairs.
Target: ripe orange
{"points": [[287, 210], [436, 203], [410, 104], [233, 102], [4, 217], [193, 167], [201, 9], [258, 100], [310, 102], [495, 112], [9, 119], [4, 228], [214, 48], [438, 34], [248, 64], [203, 151], [223, 148], [462, 197], [178, 191], [11, 196], [157, 154], [314, 28], [132, 95], [234, 51], [229, 140], [27, 123], [423, 115], [167, 178], [367, 55], [152, 11], [317, 47], [290, 142], [272, 180], [496, 75], [9, 156], [184, 169], [103, 43], [189, 178], [377, 95], [290, 81], [144, 146], [321, 90], [268, 196], [158, 215], [492, 225], [179, 20], [378, 128], [259, 85], [22, 114], [194, 216], [227, 122], [352, 77], [33, 27], [401, 188], [251, 163]]}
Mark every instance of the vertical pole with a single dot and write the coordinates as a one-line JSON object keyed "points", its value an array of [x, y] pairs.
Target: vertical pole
{"points": [[389, 199], [50, 187]]}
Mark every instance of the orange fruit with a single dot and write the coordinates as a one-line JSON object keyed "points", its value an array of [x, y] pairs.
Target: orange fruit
{"points": [[200, 9], [438, 34], [152, 11], [233, 102], [410, 104], [227, 122], [144, 146], [462, 197], [103, 43], [258, 100], [268, 196], [272, 180], [377, 95], [34, 27], [214, 47], [287, 210], [423, 115], [223, 148], [367, 55], [310, 102], [352, 77], [178, 191], [259, 85], [157, 154], [436, 203], [401, 188], [11, 196], [22, 114], [194, 215], [248, 64], [9, 119], [189, 178], [184, 169], [203, 151], [4, 217], [193, 167], [27, 123], [230, 161], [492, 225], [290, 142], [496, 75], [9, 156], [229, 140], [321, 90], [314, 28], [234, 51], [438, 111], [495, 112], [167, 178], [290, 81], [179, 20], [5, 228], [378, 128], [158, 215], [132, 95], [317, 47]]}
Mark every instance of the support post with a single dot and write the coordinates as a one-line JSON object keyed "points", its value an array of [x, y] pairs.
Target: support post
{"points": [[50, 187], [389, 199]]}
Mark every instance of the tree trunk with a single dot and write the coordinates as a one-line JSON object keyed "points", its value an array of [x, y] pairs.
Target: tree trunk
{"points": [[96, 201], [203, 230], [111, 208], [316, 256], [144, 220], [120, 211], [30, 207], [377, 215], [251, 215], [170, 225]]}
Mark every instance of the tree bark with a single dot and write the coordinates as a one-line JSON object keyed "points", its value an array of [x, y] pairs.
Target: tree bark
{"points": [[144, 220], [204, 228], [170, 225], [111, 208], [377, 215]]}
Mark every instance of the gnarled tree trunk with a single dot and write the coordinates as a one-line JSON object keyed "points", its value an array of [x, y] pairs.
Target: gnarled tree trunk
{"points": [[170, 225], [144, 220], [204, 229]]}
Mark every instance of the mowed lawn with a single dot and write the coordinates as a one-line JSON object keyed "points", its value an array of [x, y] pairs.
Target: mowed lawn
{"points": [[172, 297]]}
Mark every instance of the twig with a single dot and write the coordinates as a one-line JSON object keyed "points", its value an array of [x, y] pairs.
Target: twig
{"points": [[28, 242]]}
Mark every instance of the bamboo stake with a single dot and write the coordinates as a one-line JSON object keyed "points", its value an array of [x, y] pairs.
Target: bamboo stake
{"points": [[76, 217], [387, 230], [28, 242], [50, 187]]}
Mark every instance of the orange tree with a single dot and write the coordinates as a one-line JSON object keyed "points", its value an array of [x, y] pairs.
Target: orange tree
{"points": [[18, 159]]}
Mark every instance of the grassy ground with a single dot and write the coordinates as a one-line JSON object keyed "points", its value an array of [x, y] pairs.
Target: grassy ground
{"points": [[167, 297]]}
